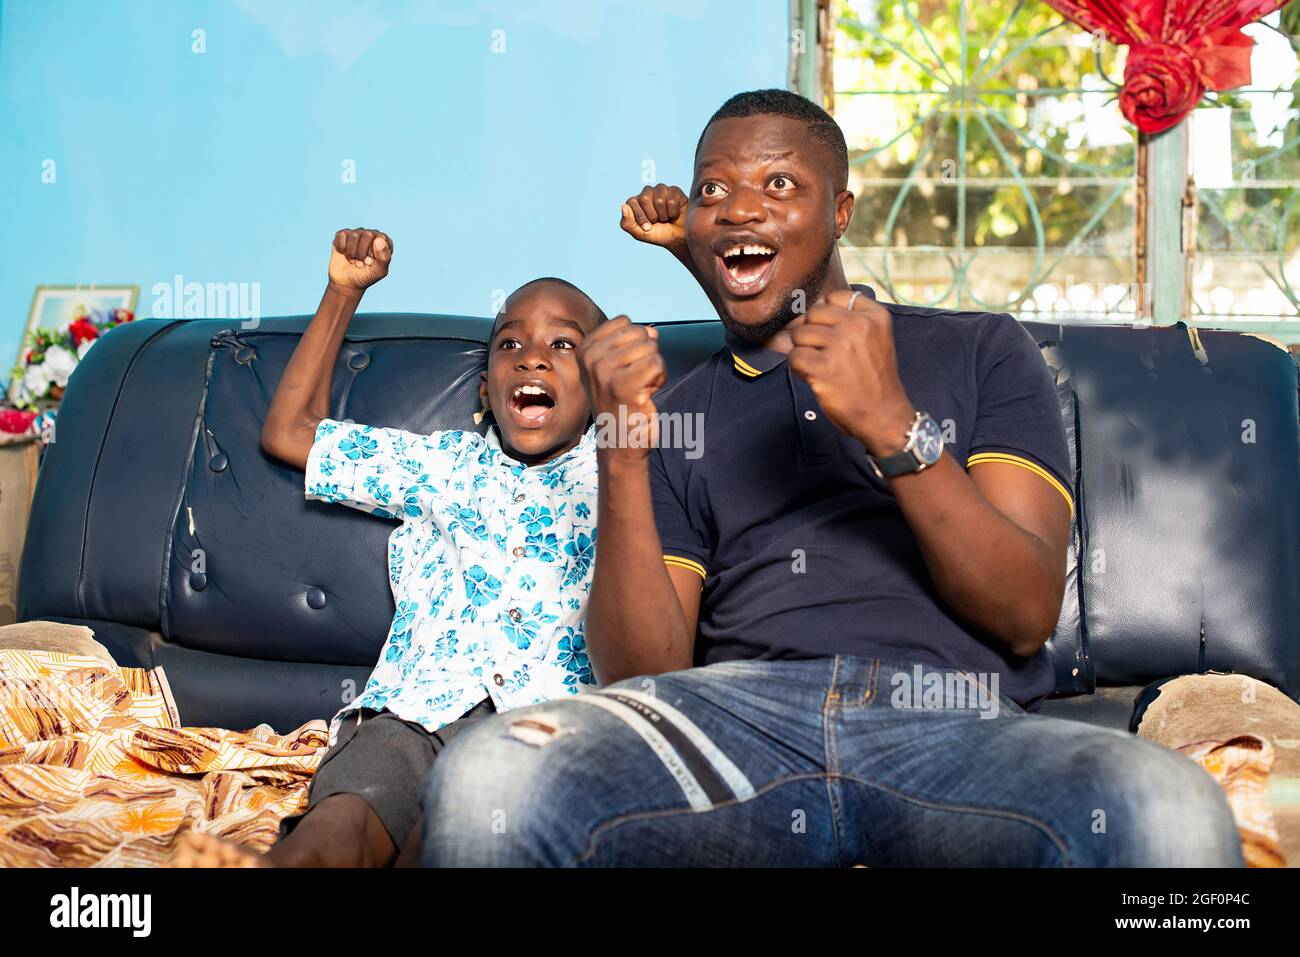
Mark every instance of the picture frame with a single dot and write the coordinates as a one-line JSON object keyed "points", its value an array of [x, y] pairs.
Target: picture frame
{"points": [[53, 307]]}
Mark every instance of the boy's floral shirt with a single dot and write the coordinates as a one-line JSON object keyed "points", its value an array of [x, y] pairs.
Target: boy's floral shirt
{"points": [[490, 568]]}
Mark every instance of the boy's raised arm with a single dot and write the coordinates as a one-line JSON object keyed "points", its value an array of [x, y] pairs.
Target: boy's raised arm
{"points": [[359, 258]]}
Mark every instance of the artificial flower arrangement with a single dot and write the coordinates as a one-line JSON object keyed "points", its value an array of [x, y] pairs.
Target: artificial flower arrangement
{"points": [[1177, 50], [51, 354]]}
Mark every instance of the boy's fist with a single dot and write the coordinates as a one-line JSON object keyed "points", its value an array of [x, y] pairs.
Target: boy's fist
{"points": [[360, 257], [657, 215], [621, 370]]}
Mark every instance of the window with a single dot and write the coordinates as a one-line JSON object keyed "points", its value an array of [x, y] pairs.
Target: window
{"points": [[1245, 161], [993, 169]]}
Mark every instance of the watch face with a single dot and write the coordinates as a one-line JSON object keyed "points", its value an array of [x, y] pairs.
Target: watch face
{"points": [[929, 440]]}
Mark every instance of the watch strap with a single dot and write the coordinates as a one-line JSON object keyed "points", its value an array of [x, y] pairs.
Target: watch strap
{"points": [[907, 461], [900, 463]]}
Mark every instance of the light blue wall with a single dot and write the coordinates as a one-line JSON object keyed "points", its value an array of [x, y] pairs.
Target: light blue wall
{"points": [[487, 168]]}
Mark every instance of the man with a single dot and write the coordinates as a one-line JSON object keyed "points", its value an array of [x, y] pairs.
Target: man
{"points": [[864, 565]]}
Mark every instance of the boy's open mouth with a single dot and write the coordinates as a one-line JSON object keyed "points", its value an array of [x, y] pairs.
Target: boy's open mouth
{"points": [[531, 404], [746, 267]]}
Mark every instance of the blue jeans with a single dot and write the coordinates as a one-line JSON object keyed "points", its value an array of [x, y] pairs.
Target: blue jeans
{"points": [[823, 763]]}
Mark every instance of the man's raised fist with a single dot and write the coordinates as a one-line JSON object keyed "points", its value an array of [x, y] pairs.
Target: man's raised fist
{"points": [[656, 215]]}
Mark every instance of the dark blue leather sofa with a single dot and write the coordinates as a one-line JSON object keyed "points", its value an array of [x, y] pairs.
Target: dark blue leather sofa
{"points": [[158, 521]]}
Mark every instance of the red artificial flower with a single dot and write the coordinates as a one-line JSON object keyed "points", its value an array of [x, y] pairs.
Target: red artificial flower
{"points": [[1161, 84], [1224, 58], [1177, 50], [81, 330], [15, 421], [122, 315]]}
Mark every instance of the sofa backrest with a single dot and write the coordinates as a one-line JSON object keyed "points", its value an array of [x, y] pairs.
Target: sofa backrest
{"points": [[1188, 478], [155, 506]]}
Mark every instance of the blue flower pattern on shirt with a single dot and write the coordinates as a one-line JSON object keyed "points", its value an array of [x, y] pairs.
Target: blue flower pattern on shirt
{"points": [[529, 627], [490, 567], [572, 657], [582, 551]]}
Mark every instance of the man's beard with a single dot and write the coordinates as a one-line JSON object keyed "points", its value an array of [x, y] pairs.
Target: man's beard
{"points": [[765, 330]]}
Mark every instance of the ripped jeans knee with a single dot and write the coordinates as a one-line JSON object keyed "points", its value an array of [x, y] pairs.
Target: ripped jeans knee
{"points": [[496, 796]]}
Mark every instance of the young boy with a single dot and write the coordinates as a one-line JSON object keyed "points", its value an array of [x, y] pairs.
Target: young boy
{"points": [[490, 568]]}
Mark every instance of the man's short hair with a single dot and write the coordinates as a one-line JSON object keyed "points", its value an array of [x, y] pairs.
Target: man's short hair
{"points": [[822, 127]]}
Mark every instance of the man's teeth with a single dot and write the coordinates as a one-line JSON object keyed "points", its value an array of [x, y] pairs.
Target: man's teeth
{"points": [[529, 390], [749, 249]]}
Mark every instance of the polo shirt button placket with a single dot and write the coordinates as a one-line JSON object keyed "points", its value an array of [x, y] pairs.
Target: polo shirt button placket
{"points": [[819, 445]]}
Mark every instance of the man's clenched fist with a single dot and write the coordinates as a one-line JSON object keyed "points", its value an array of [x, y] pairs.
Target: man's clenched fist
{"points": [[657, 215], [359, 258], [621, 370], [847, 356]]}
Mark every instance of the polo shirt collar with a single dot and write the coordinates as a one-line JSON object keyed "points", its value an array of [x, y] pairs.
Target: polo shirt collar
{"points": [[752, 360]]}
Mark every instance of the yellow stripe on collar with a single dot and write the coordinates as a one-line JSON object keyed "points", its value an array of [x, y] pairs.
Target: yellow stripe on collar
{"points": [[1009, 459], [744, 368], [676, 561]]}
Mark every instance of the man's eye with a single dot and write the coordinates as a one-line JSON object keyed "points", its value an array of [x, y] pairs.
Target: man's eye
{"points": [[563, 344], [508, 344], [711, 190], [781, 182]]}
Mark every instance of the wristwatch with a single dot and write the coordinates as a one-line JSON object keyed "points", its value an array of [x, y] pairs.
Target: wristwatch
{"points": [[923, 448]]}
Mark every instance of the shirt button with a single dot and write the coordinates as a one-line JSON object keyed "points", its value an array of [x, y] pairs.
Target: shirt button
{"points": [[517, 551], [810, 415], [514, 614], [519, 497], [499, 680]]}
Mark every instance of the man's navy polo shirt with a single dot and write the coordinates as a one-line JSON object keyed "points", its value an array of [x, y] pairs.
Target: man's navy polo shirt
{"points": [[803, 551]]}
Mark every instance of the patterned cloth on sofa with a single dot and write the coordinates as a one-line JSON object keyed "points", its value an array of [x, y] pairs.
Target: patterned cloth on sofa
{"points": [[96, 769]]}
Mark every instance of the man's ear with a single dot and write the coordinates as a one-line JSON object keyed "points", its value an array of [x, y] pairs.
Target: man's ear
{"points": [[482, 389], [843, 212]]}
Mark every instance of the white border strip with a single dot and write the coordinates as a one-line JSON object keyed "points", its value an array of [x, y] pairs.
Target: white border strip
{"points": [[734, 777], [695, 795]]}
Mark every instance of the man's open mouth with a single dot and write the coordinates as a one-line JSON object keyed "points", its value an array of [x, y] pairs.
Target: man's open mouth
{"points": [[531, 404], [746, 267]]}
